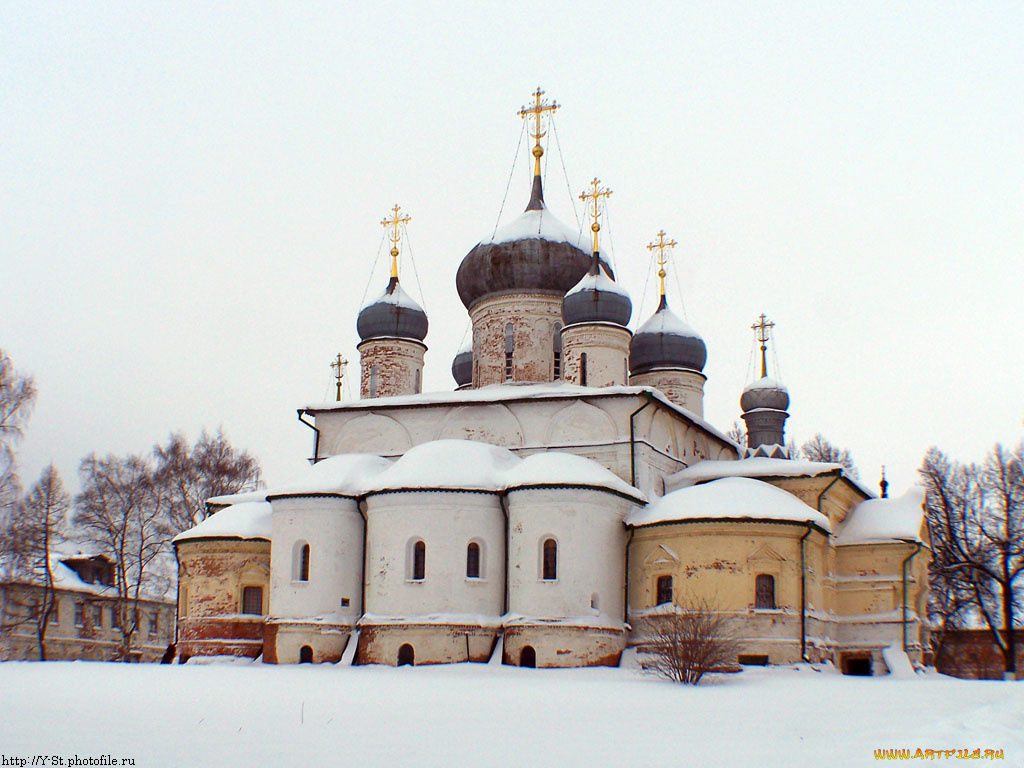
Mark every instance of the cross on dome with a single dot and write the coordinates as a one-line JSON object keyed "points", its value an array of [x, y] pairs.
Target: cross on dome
{"points": [[762, 332], [593, 199], [540, 106], [660, 246], [339, 365], [395, 236]]}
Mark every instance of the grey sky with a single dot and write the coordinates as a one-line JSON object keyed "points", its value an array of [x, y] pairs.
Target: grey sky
{"points": [[191, 196]]}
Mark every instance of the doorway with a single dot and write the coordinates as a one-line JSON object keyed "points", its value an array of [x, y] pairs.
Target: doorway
{"points": [[406, 656], [528, 657]]}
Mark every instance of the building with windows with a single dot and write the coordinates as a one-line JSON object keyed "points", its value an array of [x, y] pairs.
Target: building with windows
{"points": [[83, 624], [567, 492]]}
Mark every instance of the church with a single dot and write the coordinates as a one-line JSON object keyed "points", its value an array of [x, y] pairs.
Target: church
{"points": [[561, 497]]}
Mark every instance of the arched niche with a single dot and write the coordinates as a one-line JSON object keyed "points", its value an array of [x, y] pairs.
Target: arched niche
{"points": [[369, 433], [494, 424], [580, 423]]}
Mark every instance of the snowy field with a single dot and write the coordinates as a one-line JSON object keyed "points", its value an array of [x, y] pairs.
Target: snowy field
{"points": [[470, 714]]}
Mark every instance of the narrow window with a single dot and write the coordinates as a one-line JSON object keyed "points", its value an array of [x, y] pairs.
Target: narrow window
{"points": [[419, 384], [304, 563], [557, 342], [510, 344], [252, 600], [473, 561], [664, 590], [55, 613], [583, 369], [97, 616], [154, 624], [419, 561], [79, 615], [764, 591], [373, 381], [550, 564], [595, 601]]}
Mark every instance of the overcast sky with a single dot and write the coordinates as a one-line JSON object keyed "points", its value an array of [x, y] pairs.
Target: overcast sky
{"points": [[190, 198]]}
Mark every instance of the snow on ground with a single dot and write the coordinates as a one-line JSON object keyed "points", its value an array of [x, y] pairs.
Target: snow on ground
{"points": [[475, 714]]}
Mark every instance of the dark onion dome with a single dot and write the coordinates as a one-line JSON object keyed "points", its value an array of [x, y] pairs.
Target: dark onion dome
{"points": [[535, 253], [392, 314], [462, 367], [665, 341], [596, 298], [764, 393]]}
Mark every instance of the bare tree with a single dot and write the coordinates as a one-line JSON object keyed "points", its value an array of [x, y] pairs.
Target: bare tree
{"points": [[121, 510], [689, 641], [818, 448], [17, 396], [976, 522], [188, 476], [38, 525], [737, 434]]}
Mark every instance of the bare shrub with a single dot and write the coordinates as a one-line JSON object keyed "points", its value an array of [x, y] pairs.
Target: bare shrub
{"points": [[688, 641]]}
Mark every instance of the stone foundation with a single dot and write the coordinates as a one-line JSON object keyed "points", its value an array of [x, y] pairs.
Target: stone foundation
{"points": [[561, 645], [285, 640], [430, 643]]}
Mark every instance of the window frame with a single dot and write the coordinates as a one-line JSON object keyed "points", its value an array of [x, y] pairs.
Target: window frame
{"points": [[764, 582], [549, 559], [246, 592], [659, 589]]}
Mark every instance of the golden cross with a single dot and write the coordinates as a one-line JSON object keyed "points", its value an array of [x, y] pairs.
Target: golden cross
{"points": [[539, 108], [661, 245], [395, 222], [762, 330], [594, 196], [339, 366]]}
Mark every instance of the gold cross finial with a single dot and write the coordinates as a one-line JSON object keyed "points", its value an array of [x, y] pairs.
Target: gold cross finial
{"points": [[661, 245], [540, 106], [594, 197], [395, 222], [339, 365], [762, 332]]}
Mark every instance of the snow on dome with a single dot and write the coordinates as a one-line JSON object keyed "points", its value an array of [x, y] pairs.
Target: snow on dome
{"points": [[248, 520], [599, 282], [731, 498], [882, 520], [765, 383], [666, 321], [538, 225], [555, 468], [396, 296], [448, 464], [346, 474]]}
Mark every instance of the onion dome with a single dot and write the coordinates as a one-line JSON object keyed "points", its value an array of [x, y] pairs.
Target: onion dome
{"points": [[764, 393], [665, 341], [596, 299], [462, 366], [392, 315], [535, 253]]}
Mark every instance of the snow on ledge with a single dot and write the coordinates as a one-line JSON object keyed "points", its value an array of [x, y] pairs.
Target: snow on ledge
{"points": [[758, 466]]}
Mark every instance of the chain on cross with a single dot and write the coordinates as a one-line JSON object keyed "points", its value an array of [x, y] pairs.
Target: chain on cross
{"points": [[395, 235], [593, 199]]}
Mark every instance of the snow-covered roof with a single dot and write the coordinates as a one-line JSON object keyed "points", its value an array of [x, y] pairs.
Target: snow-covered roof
{"points": [[730, 498], [248, 520], [395, 295], [599, 282], [884, 520], [539, 225], [497, 393], [759, 466], [237, 498], [345, 473], [472, 465]]}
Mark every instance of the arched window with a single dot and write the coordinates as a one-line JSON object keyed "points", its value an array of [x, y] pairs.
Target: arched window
{"points": [[419, 561], [252, 600], [406, 656], [510, 345], [528, 657], [374, 375], [557, 344], [549, 567], [764, 591], [305, 655], [583, 369], [302, 566], [664, 590], [473, 561]]}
